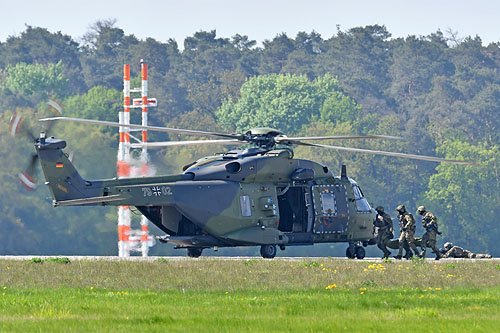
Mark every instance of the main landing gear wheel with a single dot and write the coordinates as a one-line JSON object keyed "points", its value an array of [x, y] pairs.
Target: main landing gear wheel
{"points": [[350, 254], [355, 252], [194, 252], [268, 251], [360, 252]]}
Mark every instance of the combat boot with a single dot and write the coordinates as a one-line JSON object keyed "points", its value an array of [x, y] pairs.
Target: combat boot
{"points": [[422, 254], [398, 257], [386, 255]]}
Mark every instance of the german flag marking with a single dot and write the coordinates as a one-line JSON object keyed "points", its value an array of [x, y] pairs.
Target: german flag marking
{"points": [[59, 165]]}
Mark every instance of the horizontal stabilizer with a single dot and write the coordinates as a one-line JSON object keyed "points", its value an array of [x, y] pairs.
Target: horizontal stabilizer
{"points": [[87, 201]]}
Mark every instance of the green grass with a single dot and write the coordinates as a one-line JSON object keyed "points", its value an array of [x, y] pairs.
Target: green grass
{"points": [[255, 295]]}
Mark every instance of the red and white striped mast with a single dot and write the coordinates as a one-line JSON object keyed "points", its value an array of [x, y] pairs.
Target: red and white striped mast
{"points": [[144, 154], [123, 166], [129, 239]]}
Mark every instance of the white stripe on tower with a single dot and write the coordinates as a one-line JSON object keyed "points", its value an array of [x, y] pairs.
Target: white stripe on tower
{"points": [[123, 166], [144, 75], [144, 153], [126, 110]]}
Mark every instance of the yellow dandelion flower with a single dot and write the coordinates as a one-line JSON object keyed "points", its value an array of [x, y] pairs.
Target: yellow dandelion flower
{"points": [[437, 288], [362, 292]]}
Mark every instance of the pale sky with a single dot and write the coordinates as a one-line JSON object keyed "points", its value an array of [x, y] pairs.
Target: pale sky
{"points": [[258, 19]]}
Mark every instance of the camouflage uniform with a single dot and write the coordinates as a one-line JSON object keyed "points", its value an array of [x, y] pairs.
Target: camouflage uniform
{"points": [[429, 238], [459, 252], [407, 226], [383, 222]]}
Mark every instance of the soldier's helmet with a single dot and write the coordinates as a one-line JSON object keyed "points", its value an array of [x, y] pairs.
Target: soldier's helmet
{"points": [[448, 245], [421, 209], [379, 209], [401, 208]]}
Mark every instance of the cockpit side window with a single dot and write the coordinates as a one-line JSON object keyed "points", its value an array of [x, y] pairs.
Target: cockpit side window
{"points": [[362, 204]]}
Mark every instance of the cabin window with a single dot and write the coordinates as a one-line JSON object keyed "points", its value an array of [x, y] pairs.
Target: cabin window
{"points": [[328, 204], [246, 209], [362, 204]]}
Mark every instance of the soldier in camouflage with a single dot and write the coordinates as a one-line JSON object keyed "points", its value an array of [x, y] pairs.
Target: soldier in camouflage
{"points": [[407, 228], [383, 222], [429, 222], [451, 251]]}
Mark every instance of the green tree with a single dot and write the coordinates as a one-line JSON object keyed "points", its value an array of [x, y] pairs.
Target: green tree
{"points": [[286, 102], [359, 58], [98, 103], [275, 54], [465, 198], [44, 80], [105, 49], [37, 45], [415, 63]]}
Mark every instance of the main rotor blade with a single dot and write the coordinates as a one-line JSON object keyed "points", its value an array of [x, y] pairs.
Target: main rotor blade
{"points": [[148, 128], [27, 177], [183, 143], [57, 109], [17, 127], [386, 153], [335, 137]]}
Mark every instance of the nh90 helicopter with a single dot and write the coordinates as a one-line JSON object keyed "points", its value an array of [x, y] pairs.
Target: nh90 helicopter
{"points": [[258, 196]]}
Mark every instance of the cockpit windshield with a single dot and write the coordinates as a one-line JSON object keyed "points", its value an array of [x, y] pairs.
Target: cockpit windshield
{"points": [[362, 204]]}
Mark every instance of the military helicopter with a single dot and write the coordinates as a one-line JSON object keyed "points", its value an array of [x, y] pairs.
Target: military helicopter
{"points": [[258, 196]]}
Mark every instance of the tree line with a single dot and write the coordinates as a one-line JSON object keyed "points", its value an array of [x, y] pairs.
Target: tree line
{"points": [[440, 93]]}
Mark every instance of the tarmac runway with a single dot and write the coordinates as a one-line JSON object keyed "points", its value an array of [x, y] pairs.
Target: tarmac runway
{"points": [[183, 258]]}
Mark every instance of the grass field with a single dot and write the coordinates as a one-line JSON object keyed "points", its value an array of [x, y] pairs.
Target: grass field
{"points": [[208, 295]]}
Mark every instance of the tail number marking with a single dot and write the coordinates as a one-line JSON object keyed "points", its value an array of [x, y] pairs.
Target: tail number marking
{"points": [[156, 191]]}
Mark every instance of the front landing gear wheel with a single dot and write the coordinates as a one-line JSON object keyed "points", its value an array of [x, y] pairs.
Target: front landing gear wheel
{"points": [[194, 252], [360, 252], [350, 253], [268, 251]]}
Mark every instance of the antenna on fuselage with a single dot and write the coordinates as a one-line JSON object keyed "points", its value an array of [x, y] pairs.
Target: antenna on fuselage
{"points": [[343, 172]]}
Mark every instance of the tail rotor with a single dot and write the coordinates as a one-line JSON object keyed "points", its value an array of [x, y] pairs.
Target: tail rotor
{"points": [[20, 129]]}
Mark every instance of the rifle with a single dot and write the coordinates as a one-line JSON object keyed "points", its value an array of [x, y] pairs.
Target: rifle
{"points": [[433, 227]]}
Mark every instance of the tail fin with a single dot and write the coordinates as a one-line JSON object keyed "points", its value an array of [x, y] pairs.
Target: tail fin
{"points": [[65, 183]]}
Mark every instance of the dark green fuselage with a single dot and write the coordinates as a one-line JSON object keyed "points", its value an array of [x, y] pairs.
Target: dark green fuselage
{"points": [[243, 197]]}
